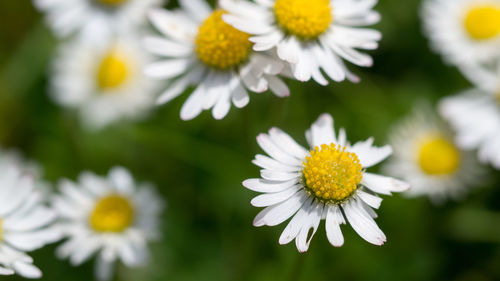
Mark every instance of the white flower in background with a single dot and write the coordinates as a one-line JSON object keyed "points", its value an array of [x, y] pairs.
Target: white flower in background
{"points": [[94, 19], [201, 50], [426, 156], [111, 217], [475, 114], [327, 182], [24, 223], [104, 82], [463, 31], [312, 35]]}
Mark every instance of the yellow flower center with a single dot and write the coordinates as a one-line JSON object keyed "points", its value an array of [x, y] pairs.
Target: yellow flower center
{"points": [[113, 71], [332, 174], [220, 45], [1, 229], [483, 22], [306, 19], [113, 213], [438, 156], [111, 2]]}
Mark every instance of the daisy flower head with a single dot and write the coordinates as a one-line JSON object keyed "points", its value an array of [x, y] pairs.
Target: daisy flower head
{"points": [[475, 114], [199, 49], [426, 156], [25, 223], [111, 217], [328, 182], [103, 82], [463, 31], [94, 19], [311, 35]]}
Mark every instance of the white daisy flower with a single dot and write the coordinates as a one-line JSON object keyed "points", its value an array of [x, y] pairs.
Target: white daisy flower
{"points": [[475, 114], [201, 50], [463, 31], [94, 19], [312, 35], [104, 82], [24, 223], [111, 217], [327, 182], [426, 156]]}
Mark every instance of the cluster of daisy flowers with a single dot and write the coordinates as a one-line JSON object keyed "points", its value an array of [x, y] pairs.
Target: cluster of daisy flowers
{"points": [[119, 58], [467, 34], [111, 217]]}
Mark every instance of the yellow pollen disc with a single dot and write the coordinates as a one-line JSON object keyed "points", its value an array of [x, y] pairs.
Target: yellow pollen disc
{"points": [[1, 229], [111, 2], [438, 156], [113, 71], [306, 19], [112, 213], [220, 45], [332, 174], [483, 22]]}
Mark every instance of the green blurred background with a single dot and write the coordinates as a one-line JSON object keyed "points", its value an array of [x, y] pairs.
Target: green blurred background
{"points": [[199, 165]]}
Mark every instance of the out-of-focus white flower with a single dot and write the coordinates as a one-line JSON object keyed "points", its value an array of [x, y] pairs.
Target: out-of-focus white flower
{"points": [[328, 182], [426, 156], [475, 113], [104, 82], [25, 223], [111, 217], [463, 31], [203, 51], [94, 20]]}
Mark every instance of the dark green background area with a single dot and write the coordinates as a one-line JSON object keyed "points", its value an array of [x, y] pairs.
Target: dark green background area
{"points": [[199, 165]]}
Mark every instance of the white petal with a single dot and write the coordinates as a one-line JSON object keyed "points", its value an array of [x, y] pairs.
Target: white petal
{"points": [[305, 236], [372, 200], [275, 152], [383, 185], [261, 185], [276, 214], [322, 131], [269, 199], [369, 155], [333, 220], [27, 270], [363, 223], [167, 68], [295, 225]]}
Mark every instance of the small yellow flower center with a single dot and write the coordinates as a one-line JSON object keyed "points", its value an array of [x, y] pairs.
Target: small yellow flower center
{"points": [[113, 213], [111, 2], [1, 229], [438, 156], [113, 71], [483, 22], [219, 45], [306, 19], [332, 174]]}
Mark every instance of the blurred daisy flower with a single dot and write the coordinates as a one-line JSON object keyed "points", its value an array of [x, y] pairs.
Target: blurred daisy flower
{"points": [[475, 113], [426, 156], [104, 82], [111, 217], [312, 35], [24, 223], [94, 19], [327, 182], [201, 50], [463, 31]]}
